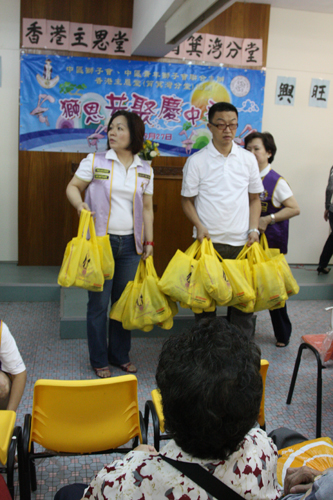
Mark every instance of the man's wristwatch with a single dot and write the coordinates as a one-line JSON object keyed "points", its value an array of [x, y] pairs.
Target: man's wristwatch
{"points": [[272, 220], [255, 230]]}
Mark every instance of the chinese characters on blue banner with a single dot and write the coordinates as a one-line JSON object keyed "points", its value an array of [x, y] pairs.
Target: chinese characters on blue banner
{"points": [[66, 102]]}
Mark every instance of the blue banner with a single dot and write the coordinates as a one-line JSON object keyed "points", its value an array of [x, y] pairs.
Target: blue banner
{"points": [[66, 102]]}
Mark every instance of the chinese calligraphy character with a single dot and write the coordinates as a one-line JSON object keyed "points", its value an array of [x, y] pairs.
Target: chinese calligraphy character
{"points": [[286, 90], [318, 92], [119, 38], [58, 34], [215, 47], [143, 107], [116, 102], [100, 42], [70, 108], [233, 52], [91, 110], [195, 45], [192, 115], [34, 32], [79, 36], [251, 48], [171, 108]]}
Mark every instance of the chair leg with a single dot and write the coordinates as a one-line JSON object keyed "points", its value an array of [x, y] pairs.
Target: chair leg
{"points": [[11, 463], [33, 477], [26, 486], [296, 367], [319, 394]]}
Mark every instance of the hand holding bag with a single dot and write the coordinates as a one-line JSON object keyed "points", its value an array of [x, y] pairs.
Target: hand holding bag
{"points": [[81, 263]]}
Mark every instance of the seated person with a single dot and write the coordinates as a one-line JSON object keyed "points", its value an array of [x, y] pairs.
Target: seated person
{"points": [[13, 374], [211, 390]]}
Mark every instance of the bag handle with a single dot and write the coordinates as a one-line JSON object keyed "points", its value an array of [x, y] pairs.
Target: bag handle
{"points": [[83, 217], [204, 479], [264, 242]]}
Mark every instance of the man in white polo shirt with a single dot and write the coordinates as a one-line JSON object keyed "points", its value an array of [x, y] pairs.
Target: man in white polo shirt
{"points": [[220, 195]]}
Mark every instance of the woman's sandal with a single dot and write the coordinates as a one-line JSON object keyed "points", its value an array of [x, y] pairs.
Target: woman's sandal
{"points": [[127, 367], [103, 372], [281, 344]]}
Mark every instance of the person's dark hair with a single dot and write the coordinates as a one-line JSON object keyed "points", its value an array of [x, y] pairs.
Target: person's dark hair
{"points": [[267, 140], [211, 388], [136, 129], [220, 106]]}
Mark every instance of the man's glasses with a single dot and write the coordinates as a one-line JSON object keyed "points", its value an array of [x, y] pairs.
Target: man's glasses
{"points": [[224, 126]]}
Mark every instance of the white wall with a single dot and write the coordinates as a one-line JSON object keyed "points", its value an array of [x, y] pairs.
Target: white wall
{"points": [[9, 106], [301, 45]]}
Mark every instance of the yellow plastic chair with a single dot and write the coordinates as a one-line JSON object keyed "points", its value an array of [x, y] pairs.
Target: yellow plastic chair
{"points": [[10, 439], [81, 417], [154, 406]]}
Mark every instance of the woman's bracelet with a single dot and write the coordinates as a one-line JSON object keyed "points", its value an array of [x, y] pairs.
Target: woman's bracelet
{"points": [[151, 243], [254, 230]]}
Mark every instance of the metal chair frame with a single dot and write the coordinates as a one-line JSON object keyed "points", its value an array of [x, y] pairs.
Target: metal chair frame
{"points": [[320, 368]]}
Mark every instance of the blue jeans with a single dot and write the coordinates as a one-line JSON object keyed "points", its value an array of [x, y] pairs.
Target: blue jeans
{"points": [[117, 352]]}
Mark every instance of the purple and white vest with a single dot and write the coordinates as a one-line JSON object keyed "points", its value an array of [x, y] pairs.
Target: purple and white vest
{"points": [[277, 234], [98, 196]]}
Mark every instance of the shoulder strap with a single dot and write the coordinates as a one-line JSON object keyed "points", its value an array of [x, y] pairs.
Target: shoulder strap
{"points": [[204, 479]]}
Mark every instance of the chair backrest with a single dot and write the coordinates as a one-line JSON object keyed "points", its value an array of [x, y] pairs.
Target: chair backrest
{"points": [[7, 424], [85, 416], [264, 364]]}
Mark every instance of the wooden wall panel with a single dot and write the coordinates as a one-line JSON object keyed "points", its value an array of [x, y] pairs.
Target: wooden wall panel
{"points": [[46, 219], [242, 20]]}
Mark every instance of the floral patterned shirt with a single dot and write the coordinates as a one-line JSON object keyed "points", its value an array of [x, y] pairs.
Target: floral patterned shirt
{"points": [[250, 471]]}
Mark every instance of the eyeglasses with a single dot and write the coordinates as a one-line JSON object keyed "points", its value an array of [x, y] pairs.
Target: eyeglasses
{"points": [[224, 126]]}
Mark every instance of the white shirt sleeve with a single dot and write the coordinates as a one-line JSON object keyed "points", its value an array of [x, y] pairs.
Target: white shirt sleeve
{"points": [[255, 183], [282, 192], [85, 171], [10, 357], [191, 179], [150, 186]]}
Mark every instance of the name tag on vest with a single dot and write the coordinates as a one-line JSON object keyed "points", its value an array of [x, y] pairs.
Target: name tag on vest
{"points": [[101, 176], [145, 176]]}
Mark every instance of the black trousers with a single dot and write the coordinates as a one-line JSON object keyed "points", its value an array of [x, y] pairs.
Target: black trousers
{"points": [[327, 252], [71, 492], [281, 324]]}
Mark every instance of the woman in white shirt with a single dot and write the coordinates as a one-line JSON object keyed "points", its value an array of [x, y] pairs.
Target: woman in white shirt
{"points": [[119, 194], [278, 205]]}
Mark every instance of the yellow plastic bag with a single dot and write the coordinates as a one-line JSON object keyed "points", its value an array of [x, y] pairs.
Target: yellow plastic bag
{"points": [[82, 259], [317, 454], [270, 252], [168, 323], [267, 279], [107, 260], [213, 277], [118, 307], [72, 255], [146, 305], [182, 281], [240, 278], [290, 283]]}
